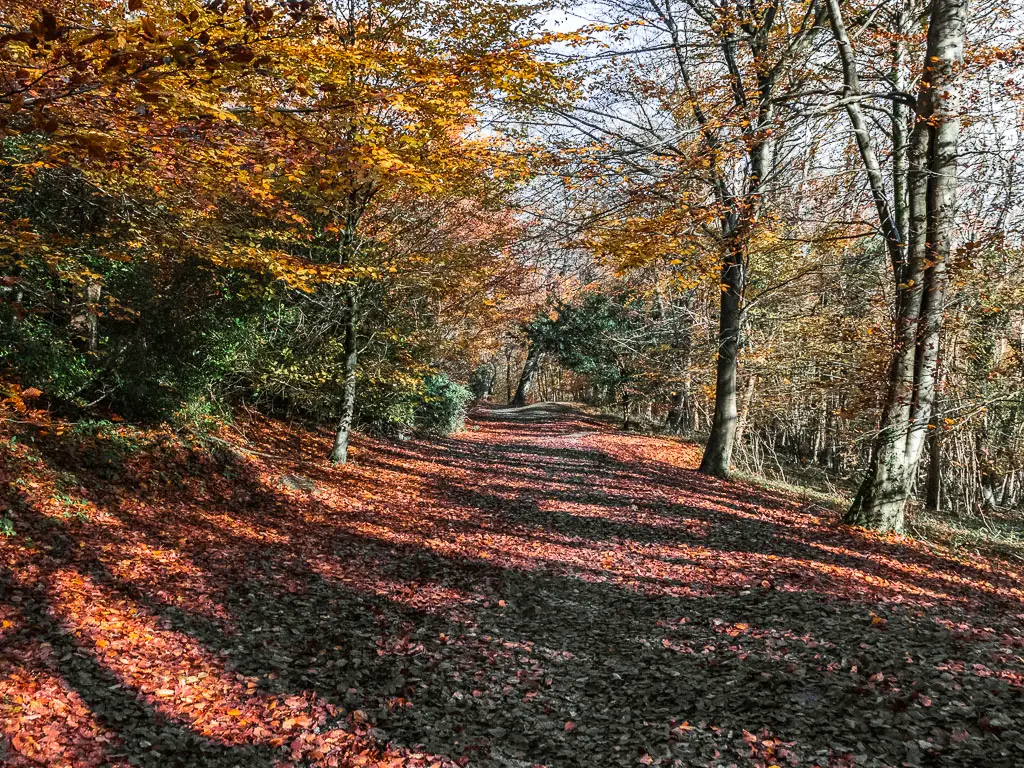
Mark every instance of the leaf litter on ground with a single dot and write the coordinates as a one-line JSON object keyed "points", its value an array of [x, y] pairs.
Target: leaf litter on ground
{"points": [[541, 590]]}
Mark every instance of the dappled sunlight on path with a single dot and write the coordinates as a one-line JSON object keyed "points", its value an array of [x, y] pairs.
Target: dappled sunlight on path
{"points": [[539, 590]]}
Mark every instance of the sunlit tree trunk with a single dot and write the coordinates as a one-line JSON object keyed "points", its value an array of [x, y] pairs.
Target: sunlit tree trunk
{"points": [[347, 247], [881, 501], [526, 379], [339, 453], [718, 452]]}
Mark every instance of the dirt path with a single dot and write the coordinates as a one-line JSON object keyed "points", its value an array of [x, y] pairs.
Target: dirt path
{"points": [[540, 590]]}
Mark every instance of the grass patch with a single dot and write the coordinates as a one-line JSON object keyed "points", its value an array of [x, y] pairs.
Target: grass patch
{"points": [[994, 535], [830, 499]]}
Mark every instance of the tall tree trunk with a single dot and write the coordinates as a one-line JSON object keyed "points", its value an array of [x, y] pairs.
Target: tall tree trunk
{"points": [[339, 453], [717, 456], [348, 245], [881, 502], [740, 210], [526, 379]]}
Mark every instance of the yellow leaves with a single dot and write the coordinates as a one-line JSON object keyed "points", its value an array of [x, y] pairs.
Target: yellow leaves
{"points": [[398, 102]]}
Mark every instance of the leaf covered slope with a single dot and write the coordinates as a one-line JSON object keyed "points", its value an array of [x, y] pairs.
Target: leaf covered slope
{"points": [[540, 590]]}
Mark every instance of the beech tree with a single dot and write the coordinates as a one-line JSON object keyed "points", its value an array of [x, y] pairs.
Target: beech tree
{"points": [[919, 256], [718, 72], [391, 101]]}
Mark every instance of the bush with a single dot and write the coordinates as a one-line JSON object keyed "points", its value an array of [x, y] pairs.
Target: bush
{"points": [[434, 405], [443, 405], [41, 358], [387, 408]]}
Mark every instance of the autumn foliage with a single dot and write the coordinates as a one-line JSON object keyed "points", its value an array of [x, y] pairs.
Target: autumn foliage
{"points": [[577, 303]]}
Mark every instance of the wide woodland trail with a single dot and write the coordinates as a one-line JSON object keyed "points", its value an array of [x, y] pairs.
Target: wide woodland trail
{"points": [[539, 590]]}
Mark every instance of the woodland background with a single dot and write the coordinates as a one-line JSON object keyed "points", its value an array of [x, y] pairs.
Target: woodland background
{"points": [[367, 214]]}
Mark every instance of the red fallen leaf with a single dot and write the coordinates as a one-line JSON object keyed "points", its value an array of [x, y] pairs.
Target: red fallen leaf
{"points": [[570, 725], [987, 726], [31, 392]]}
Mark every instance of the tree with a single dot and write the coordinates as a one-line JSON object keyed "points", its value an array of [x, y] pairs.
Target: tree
{"points": [[390, 102], [705, 163], [920, 266]]}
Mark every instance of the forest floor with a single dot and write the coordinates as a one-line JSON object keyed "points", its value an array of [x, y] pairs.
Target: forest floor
{"points": [[539, 590]]}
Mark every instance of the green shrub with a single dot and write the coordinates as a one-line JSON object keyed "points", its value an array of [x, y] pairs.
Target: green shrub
{"points": [[443, 405], [435, 405], [387, 408], [42, 358]]}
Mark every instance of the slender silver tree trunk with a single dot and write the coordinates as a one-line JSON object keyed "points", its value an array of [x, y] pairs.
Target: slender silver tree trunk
{"points": [[881, 502], [347, 250], [339, 453]]}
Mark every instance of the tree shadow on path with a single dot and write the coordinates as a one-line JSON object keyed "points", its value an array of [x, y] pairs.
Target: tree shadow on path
{"points": [[541, 591]]}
